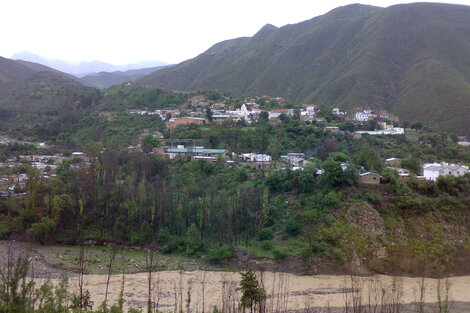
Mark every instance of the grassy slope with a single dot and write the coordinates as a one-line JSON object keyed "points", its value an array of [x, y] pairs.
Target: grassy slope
{"points": [[411, 59]]}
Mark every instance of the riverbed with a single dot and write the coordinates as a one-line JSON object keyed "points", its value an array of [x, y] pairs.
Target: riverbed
{"points": [[207, 289]]}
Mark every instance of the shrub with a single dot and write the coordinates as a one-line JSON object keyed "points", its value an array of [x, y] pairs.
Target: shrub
{"points": [[265, 234], [42, 231], [220, 253], [266, 245], [280, 255], [175, 244], [293, 228]]}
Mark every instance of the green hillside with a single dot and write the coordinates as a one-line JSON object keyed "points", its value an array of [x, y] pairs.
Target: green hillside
{"points": [[411, 59], [38, 101]]}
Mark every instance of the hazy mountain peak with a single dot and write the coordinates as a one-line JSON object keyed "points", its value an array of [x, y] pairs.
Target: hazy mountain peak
{"points": [[84, 67]]}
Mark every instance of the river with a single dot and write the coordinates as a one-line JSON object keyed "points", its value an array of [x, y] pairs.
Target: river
{"points": [[285, 291]]}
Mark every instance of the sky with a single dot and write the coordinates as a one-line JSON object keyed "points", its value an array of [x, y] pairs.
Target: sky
{"points": [[122, 32]]}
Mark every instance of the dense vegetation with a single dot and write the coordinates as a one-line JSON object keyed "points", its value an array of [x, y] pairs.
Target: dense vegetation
{"points": [[203, 209]]}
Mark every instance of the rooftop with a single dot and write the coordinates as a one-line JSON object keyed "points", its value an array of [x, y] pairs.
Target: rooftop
{"points": [[196, 150]]}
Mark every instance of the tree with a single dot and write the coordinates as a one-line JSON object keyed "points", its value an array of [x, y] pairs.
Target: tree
{"points": [[412, 164], [369, 158], [253, 295], [209, 114], [193, 240], [149, 142], [263, 117], [334, 174], [15, 289], [284, 118], [326, 146]]}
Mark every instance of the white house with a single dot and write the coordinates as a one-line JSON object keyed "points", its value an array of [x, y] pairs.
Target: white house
{"points": [[337, 111], [431, 171], [257, 161], [256, 157], [362, 116], [311, 109], [293, 160], [389, 131]]}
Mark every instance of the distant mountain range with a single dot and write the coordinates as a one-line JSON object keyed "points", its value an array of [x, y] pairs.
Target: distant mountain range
{"points": [[107, 79], [412, 59], [83, 68]]}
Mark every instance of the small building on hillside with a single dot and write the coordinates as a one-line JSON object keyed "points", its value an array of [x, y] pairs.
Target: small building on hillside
{"points": [[158, 135], [403, 174], [395, 162], [337, 111], [431, 171], [333, 129], [295, 161], [369, 178], [389, 131], [158, 150], [257, 160], [220, 118], [363, 116], [174, 153], [209, 159]]}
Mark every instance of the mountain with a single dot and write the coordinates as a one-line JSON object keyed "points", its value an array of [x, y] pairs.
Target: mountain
{"points": [[83, 68], [14, 71], [37, 101], [107, 79], [412, 59]]}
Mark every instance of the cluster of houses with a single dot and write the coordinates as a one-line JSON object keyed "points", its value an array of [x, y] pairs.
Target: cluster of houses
{"points": [[463, 141], [430, 171], [361, 115], [14, 184], [164, 114], [250, 112], [296, 161]]}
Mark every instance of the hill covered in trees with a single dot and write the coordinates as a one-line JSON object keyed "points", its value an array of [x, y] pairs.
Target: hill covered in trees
{"points": [[411, 59]]}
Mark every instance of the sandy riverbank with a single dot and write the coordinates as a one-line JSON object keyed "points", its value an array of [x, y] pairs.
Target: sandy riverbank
{"points": [[284, 290]]}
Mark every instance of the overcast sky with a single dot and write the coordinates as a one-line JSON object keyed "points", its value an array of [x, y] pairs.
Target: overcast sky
{"points": [[128, 31]]}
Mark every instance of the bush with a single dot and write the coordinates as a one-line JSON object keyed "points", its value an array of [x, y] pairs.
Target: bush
{"points": [[42, 231], [267, 245], [265, 234], [220, 253], [293, 227], [279, 255], [175, 244], [4, 228]]}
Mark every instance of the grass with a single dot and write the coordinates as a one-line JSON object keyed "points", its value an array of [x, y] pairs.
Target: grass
{"points": [[290, 248], [127, 260]]}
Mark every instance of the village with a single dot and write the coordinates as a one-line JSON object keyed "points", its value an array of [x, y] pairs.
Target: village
{"points": [[250, 112], [15, 172], [14, 178]]}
